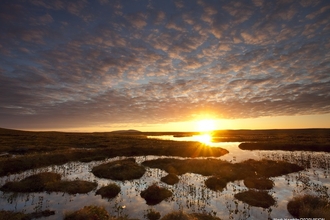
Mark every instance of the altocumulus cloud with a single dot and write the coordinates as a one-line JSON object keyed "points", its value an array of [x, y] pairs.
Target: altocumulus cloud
{"points": [[85, 63]]}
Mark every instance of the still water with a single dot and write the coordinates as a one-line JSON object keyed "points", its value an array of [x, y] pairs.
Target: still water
{"points": [[189, 195]]}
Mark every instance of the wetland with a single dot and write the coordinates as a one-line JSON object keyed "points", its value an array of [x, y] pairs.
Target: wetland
{"points": [[157, 175]]}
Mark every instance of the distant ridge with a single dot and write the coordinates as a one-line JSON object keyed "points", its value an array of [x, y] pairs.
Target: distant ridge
{"points": [[127, 131]]}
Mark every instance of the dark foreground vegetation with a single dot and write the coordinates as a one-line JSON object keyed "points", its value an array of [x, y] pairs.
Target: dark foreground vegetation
{"points": [[50, 182], [309, 206]]}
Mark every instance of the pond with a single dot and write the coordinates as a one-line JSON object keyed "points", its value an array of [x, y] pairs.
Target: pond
{"points": [[189, 194]]}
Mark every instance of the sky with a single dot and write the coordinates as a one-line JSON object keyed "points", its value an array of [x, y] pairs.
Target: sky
{"points": [[156, 65]]}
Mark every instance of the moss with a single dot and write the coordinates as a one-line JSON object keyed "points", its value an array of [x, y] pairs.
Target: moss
{"points": [[109, 191], [259, 183], [50, 182], [309, 206], [256, 198], [155, 194], [126, 169], [170, 179]]}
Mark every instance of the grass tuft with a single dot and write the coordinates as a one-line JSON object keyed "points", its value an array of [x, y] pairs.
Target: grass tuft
{"points": [[256, 198], [50, 182], [155, 194], [89, 212], [126, 169], [259, 183], [170, 179], [309, 206], [109, 191], [152, 215]]}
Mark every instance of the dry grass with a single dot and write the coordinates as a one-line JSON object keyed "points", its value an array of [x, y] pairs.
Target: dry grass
{"points": [[126, 169], [155, 194], [309, 206], [109, 191], [50, 182], [256, 198]]}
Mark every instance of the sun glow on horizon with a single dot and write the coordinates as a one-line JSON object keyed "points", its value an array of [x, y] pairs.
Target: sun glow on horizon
{"points": [[205, 125], [204, 138]]}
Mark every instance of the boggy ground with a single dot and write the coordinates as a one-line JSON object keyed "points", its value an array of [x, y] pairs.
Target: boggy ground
{"points": [[223, 172]]}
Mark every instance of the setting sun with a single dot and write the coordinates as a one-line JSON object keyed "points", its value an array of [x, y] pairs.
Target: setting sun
{"points": [[205, 138], [206, 125]]}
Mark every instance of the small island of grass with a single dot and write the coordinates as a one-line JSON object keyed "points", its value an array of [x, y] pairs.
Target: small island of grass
{"points": [[256, 198], [109, 191], [126, 169], [155, 194], [50, 182]]}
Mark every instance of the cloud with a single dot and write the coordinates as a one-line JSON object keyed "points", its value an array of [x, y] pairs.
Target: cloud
{"points": [[138, 20], [92, 63]]}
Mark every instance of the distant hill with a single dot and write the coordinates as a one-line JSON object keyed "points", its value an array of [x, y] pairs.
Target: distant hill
{"points": [[126, 131]]}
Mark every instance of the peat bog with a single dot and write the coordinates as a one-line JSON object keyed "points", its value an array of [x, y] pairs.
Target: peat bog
{"points": [[179, 171]]}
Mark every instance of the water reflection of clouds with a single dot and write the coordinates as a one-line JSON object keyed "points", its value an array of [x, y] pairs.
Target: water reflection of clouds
{"points": [[190, 194]]}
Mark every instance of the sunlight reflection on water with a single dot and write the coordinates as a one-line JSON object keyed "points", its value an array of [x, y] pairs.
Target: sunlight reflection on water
{"points": [[190, 194]]}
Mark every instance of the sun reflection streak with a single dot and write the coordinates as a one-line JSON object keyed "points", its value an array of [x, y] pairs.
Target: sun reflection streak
{"points": [[203, 138]]}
